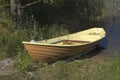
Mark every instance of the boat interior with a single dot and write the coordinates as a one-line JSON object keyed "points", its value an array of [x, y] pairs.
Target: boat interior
{"points": [[70, 42], [79, 38]]}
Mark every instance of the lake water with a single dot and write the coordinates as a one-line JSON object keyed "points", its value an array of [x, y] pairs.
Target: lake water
{"points": [[111, 42]]}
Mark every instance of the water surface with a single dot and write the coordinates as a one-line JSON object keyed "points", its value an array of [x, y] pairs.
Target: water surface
{"points": [[111, 42]]}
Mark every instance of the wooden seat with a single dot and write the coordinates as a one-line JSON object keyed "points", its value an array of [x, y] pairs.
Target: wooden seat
{"points": [[70, 41]]}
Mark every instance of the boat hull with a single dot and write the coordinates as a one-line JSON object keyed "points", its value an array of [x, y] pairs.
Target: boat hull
{"points": [[51, 53], [64, 46]]}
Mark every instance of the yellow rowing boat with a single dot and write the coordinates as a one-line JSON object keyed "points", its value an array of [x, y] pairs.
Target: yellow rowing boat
{"points": [[59, 47]]}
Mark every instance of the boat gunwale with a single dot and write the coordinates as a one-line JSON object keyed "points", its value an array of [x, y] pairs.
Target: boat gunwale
{"points": [[58, 45]]}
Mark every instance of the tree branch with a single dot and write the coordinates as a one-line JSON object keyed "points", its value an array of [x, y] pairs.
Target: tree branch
{"points": [[30, 4]]}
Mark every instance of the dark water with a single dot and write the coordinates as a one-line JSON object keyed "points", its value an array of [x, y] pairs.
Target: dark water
{"points": [[113, 37], [111, 42]]}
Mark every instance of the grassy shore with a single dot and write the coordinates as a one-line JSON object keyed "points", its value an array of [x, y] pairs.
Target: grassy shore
{"points": [[75, 70]]}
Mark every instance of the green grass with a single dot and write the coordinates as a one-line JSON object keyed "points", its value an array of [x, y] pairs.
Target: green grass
{"points": [[75, 70], [11, 39]]}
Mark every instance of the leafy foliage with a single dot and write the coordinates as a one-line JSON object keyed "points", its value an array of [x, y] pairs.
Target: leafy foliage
{"points": [[77, 12], [23, 61], [4, 4]]}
